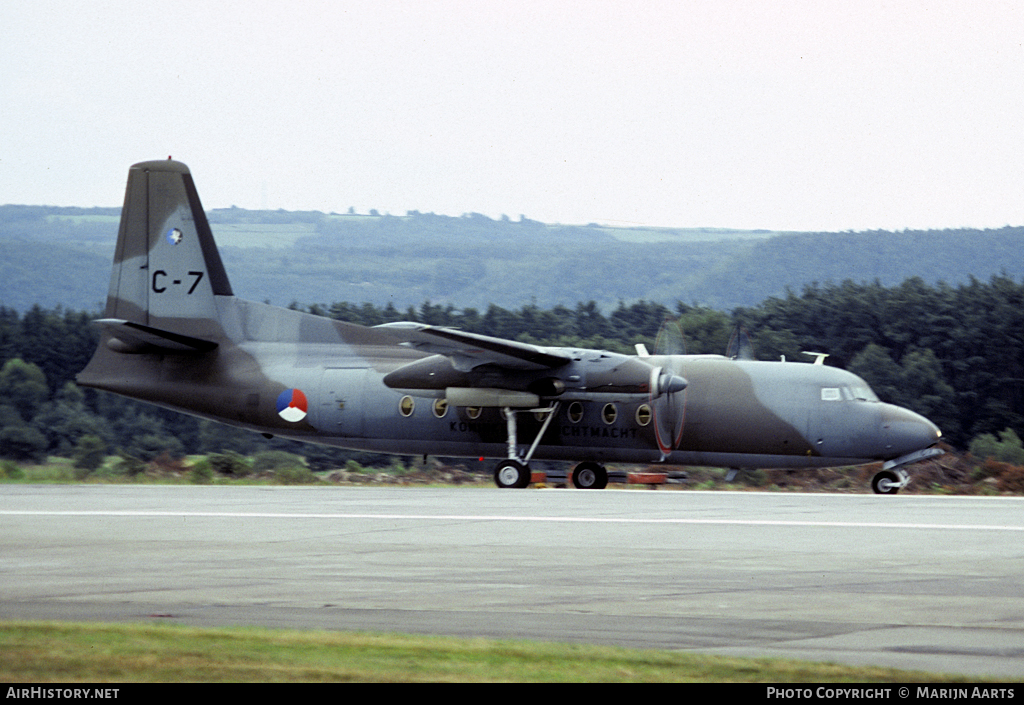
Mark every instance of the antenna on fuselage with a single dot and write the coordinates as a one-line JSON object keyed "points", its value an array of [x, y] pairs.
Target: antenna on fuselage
{"points": [[819, 357]]}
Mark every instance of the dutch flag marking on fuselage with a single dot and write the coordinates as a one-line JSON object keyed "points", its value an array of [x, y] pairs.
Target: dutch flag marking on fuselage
{"points": [[292, 405]]}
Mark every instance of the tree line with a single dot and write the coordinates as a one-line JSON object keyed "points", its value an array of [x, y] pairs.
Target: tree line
{"points": [[954, 354]]}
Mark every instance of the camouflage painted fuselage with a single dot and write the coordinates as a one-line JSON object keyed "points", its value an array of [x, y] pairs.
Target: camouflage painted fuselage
{"points": [[175, 335]]}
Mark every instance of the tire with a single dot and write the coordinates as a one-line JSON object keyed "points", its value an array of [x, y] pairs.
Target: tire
{"points": [[589, 476], [885, 482], [511, 473]]}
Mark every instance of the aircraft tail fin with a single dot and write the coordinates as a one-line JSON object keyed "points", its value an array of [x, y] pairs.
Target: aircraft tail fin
{"points": [[167, 269]]}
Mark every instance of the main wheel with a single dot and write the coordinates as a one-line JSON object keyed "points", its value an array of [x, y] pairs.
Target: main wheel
{"points": [[885, 482], [512, 473], [589, 476]]}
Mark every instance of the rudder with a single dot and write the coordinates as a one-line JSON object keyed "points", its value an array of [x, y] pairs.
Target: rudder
{"points": [[167, 269]]}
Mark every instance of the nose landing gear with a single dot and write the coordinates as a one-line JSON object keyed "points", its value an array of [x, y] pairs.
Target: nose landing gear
{"points": [[889, 481], [893, 477]]}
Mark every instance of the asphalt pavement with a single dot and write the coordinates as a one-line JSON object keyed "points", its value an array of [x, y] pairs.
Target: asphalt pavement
{"points": [[918, 582]]}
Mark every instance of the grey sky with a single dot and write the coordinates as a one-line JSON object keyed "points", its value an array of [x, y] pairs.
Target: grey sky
{"points": [[781, 115]]}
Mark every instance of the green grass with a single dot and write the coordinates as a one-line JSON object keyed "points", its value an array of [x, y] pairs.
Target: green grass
{"points": [[39, 652]]}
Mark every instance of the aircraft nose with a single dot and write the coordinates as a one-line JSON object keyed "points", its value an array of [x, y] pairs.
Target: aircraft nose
{"points": [[906, 431]]}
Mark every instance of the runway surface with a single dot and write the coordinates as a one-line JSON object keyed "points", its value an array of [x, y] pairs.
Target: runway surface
{"points": [[918, 582]]}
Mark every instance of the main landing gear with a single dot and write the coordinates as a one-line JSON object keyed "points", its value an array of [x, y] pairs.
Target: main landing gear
{"points": [[589, 476], [585, 476], [514, 471]]}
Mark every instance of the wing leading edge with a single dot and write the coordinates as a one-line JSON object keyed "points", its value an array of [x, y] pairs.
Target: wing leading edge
{"points": [[471, 350]]}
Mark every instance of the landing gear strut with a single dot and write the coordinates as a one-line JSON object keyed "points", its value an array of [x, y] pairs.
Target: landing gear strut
{"points": [[515, 470], [893, 477]]}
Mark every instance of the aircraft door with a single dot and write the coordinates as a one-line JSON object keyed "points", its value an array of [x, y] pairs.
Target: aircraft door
{"points": [[341, 408]]}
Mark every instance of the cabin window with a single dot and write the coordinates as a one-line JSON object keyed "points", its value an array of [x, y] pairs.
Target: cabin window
{"points": [[575, 412], [473, 412], [440, 407], [643, 414], [831, 394], [406, 406], [609, 413]]}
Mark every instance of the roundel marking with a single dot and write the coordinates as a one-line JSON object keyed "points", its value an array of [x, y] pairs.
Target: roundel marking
{"points": [[174, 236], [292, 405]]}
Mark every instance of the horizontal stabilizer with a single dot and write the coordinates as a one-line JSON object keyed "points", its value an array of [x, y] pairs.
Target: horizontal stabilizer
{"points": [[130, 337], [469, 350]]}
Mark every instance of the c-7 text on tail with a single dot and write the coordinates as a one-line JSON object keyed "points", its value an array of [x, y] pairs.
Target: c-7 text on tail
{"points": [[175, 335]]}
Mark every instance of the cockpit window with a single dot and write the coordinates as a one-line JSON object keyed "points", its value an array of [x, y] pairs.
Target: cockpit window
{"points": [[859, 392], [862, 393], [855, 392]]}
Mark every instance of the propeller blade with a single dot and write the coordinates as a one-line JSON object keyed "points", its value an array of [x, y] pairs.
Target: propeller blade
{"points": [[670, 339], [740, 347]]}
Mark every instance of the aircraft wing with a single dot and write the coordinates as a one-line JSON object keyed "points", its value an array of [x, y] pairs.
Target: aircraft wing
{"points": [[470, 350]]}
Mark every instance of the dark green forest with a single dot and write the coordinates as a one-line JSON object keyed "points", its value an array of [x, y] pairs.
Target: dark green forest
{"points": [[953, 353]]}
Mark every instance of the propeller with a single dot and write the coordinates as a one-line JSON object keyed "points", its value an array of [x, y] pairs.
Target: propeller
{"points": [[668, 387], [668, 404]]}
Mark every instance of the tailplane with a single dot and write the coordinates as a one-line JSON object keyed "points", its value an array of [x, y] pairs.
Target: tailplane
{"points": [[167, 270]]}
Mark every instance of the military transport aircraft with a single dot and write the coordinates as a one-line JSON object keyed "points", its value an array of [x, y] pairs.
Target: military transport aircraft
{"points": [[173, 334]]}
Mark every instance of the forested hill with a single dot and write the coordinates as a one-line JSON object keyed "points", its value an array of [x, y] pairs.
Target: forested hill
{"points": [[950, 256], [61, 257]]}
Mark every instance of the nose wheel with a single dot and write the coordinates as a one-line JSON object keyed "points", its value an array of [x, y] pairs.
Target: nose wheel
{"points": [[889, 481]]}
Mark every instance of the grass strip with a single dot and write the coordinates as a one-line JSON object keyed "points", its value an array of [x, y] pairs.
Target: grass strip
{"points": [[59, 652]]}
